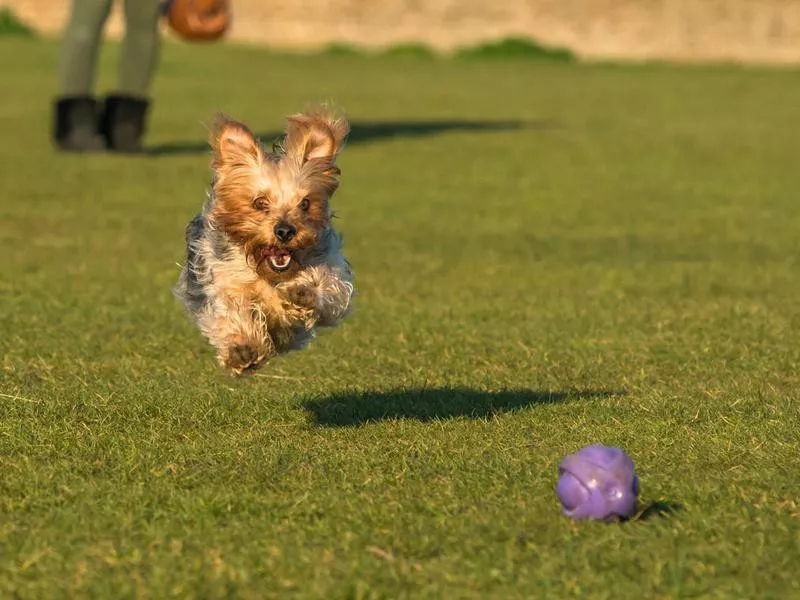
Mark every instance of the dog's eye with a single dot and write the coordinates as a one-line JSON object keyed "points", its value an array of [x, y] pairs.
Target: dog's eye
{"points": [[304, 204], [261, 203]]}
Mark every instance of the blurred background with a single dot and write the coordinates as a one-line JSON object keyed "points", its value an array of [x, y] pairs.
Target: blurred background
{"points": [[763, 31]]}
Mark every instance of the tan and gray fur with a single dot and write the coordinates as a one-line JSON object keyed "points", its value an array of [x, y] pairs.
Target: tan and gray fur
{"points": [[264, 266]]}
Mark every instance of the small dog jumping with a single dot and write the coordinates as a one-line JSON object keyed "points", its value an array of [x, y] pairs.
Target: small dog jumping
{"points": [[264, 267]]}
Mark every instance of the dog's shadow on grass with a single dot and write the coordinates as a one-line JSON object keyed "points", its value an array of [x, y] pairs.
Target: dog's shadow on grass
{"points": [[428, 404], [368, 131], [658, 509]]}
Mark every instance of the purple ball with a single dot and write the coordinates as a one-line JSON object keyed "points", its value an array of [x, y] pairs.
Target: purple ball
{"points": [[598, 482]]}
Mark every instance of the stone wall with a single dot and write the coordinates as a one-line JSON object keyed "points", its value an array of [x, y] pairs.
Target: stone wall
{"points": [[765, 31]]}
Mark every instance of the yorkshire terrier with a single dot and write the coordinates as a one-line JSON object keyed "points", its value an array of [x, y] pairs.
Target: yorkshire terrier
{"points": [[264, 266]]}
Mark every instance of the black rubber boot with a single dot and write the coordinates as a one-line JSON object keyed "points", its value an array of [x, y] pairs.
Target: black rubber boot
{"points": [[75, 124], [123, 123]]}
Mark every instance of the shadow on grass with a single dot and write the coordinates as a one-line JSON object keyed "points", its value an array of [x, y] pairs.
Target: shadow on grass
{"points": [[437, 403], [658, 509], [373, 131]]}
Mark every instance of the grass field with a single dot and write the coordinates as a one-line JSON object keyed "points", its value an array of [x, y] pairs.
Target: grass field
{"points": [[547, 255]]}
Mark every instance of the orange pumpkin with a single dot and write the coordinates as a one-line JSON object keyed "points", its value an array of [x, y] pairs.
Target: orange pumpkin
{"points": [[199, 20]]}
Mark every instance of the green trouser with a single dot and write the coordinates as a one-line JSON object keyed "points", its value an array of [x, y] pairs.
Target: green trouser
{"points": [[81, 42]]}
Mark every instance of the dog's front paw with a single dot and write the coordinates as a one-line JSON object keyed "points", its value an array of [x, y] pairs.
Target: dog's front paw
{"points": [[302, 296], [301, 303], [240, 359]]}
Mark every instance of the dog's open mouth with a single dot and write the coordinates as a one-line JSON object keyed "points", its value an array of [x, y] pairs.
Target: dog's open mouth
{"points": [[278, 259]]}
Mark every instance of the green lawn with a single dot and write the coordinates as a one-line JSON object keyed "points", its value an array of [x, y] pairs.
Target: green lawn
{"points": [[547, 255]]}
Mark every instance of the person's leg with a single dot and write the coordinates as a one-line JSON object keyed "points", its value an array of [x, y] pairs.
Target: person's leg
{"points": [[75, 126], [141, 46], [126, 110], [79, 46]]}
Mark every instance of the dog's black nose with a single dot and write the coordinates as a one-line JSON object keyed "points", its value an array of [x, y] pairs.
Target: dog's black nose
{"points": [[284, 231]]}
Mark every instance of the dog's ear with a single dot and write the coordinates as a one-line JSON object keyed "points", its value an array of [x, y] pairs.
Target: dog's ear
{"points": [[316, 134], [233, 143]]}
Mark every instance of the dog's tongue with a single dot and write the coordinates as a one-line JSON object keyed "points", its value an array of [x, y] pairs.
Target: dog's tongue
{"points": [[277, 258], [280, 259]]}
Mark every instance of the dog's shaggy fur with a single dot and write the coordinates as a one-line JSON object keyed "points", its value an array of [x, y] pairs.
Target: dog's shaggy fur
{"points": [[264, 266]]}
